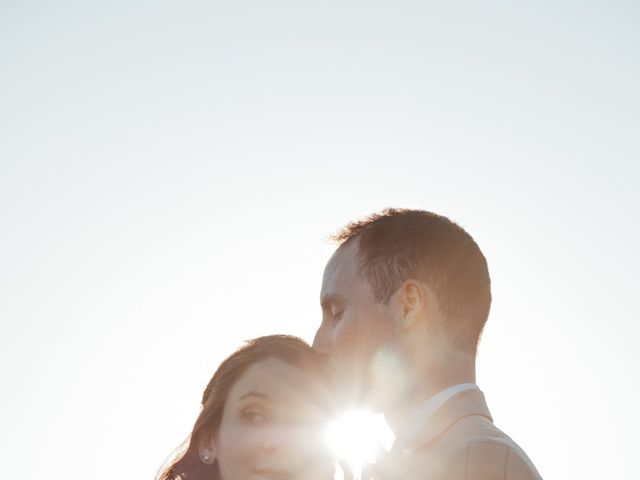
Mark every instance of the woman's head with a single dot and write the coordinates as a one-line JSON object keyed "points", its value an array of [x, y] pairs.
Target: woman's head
{"points": [[260, 415]]}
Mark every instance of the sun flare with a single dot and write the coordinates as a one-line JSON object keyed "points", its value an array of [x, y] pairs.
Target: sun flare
{"points": [[357, 437]]}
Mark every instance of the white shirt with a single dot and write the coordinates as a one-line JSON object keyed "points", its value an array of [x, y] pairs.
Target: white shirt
{"points": [[423, 413]]}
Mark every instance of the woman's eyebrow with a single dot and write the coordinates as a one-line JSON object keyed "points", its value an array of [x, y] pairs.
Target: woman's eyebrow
{"points": [[254, 393]]}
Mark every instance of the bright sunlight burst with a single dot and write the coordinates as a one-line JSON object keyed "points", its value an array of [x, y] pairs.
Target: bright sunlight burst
{"points": [[357, 436]]}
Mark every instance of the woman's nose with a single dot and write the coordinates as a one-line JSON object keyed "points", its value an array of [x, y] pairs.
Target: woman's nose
{"points": [[275, 439], [290, 440]]}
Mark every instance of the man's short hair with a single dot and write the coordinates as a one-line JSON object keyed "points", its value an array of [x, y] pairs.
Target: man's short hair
{"points": [[399, 244]]}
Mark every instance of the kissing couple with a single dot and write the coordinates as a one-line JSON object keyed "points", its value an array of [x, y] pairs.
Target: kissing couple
{"points": [[404, 300]]}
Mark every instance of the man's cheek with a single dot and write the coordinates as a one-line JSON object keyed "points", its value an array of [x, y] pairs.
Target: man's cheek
{"points": [[345, 339]]}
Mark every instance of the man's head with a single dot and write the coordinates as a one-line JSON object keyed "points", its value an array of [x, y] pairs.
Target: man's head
{"points": [[400, 276]]}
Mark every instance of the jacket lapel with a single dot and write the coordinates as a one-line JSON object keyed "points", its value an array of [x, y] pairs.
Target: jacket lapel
{"points": [[400, 461], [464, 404]]}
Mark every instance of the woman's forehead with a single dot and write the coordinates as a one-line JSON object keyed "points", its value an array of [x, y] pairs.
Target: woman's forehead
{"points": [[273, 378]]}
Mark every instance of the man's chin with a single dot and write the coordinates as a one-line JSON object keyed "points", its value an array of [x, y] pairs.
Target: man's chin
{"points": [[349, 381], [388, 380], [379, 383]]}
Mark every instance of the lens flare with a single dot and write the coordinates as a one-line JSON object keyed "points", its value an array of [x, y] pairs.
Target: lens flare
{"points": [[356, 437]]}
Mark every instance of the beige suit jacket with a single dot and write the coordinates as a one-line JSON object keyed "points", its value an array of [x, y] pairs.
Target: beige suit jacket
{"points": [[460, 442]]}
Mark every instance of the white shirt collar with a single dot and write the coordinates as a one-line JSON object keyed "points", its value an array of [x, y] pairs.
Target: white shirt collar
{"points": [[423, 413]]}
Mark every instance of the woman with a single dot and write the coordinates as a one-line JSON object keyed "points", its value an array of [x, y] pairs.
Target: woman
{"points": [[262, 417]]}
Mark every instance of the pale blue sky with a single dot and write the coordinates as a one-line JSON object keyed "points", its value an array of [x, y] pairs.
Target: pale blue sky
{"points": [[169, 172]]}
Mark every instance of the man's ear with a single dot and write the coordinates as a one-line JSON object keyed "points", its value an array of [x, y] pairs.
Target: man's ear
{"points": [[207, 448], [413, 301]]}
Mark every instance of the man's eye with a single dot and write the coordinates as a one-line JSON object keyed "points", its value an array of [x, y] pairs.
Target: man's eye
{"points": [[336, 315], [254, 417]]}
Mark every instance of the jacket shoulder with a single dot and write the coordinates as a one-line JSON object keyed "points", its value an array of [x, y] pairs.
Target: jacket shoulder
{"points": [[496, 460], [475, 449]]}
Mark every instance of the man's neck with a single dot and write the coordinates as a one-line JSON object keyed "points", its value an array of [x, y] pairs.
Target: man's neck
{"points": [[430, 379]]}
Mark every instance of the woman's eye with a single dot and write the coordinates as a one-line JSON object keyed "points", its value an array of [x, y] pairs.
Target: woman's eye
{"points": [[254, 417]]}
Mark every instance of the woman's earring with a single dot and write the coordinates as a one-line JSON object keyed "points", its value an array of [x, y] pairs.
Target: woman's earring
{"points": [[206, 459]]}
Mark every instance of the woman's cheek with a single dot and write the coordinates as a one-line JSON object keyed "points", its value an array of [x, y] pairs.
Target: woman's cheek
{"points": [[246, 442]]}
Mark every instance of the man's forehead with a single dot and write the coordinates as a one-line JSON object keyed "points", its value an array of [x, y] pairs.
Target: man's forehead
{"points": [[341, 269], [345, 256]]}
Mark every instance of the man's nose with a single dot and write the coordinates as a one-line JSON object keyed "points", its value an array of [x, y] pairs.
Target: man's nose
{"points": [[320, 341]]}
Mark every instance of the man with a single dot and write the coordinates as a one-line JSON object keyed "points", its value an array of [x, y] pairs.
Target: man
{"points": [[404, 300]]}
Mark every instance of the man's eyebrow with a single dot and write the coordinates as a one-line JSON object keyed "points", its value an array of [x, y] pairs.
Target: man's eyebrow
{"points": [[327, 299], [254, 393]]}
